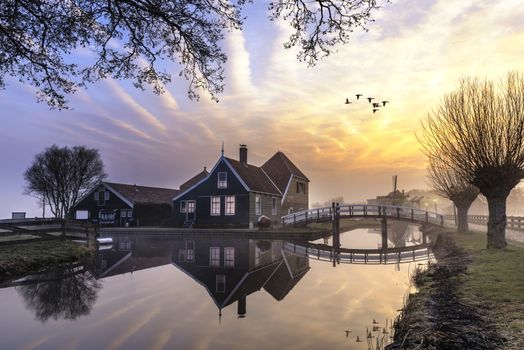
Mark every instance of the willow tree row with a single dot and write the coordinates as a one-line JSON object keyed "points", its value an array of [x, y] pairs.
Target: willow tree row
{"points": [[476, 137]]}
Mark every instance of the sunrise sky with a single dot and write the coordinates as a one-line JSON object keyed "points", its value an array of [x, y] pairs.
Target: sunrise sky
{"points": [[414, 53]]}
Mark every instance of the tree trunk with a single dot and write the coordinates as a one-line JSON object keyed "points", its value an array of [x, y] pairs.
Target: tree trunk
{"points": [[497, 222], [462, 217]]}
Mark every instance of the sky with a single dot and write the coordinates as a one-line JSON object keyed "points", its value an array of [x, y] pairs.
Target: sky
{"points": [[413, 54]]}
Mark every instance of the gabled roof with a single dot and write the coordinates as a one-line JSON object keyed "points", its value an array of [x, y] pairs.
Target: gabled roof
{"points": [[143, 194], [254, 177], [279, 168], [287, 275], [192, 181]]}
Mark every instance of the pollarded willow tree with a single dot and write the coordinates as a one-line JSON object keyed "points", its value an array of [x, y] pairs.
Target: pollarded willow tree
{"points": [[126, 39], [448, 183], [478, 130]]}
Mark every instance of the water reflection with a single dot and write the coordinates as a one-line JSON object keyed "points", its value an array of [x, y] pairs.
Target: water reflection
{"points": [[66, 293], [173, 292], [232, 269]]}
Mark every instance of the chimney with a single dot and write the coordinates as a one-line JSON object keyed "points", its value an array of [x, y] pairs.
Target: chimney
{"points": [[241, 311], [243, 154]]}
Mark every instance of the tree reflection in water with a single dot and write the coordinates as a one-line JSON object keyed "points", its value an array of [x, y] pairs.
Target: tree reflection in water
{"points": [[66, 293]]}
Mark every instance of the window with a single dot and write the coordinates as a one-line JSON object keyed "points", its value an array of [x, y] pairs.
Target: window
{"points": [[258, 205], [106, 195], [273, 206], [230, 205], [220, 283], [191, 206], [82, 215], [222, 179], [123, 213], [96, 196], [129, 213], [229, 257], [190, 250], [182, 206], [182, 255], [301, 187], [214, 256], [215, 205]]}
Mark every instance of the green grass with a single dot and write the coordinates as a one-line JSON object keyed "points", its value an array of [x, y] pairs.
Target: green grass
{"points": [[24, 258], [495, 280]]}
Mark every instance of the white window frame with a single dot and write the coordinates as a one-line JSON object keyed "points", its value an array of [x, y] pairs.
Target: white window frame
{"points": [[258, 205], [183, 206], [222, 280], [214, 207], [106, 195], [129, 214], [82, 215], [229, 256], [230, 204], [214, 256], [222, 183], [190, 250], [123, 214]]}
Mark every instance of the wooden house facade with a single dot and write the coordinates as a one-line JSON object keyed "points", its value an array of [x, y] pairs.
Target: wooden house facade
{"points": [[235, 194], [115, 204]]}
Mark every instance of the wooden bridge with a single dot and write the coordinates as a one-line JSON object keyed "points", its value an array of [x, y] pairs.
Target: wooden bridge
{"points": [[329, 253], [337, 211]]}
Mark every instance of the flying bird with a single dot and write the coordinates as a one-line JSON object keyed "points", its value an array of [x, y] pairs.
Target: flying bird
{"points": [[375, 110], [358, 340], [347, 333], [348, 101], [358, 96], [384, 103], [370, 98], [375, 322], [376, 105]]}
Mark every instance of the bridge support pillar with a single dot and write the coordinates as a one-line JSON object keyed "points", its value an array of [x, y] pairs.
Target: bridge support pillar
{"points": [[335, 218], [384, 222]]}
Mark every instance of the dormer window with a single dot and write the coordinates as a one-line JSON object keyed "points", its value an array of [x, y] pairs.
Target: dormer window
{"points": [[301, 187], [222, 179]]}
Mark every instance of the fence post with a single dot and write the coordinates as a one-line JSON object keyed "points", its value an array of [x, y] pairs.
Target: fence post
{"points": [[427, 218], [442, 220], [398, 213], [318, 214], [412, 215]]}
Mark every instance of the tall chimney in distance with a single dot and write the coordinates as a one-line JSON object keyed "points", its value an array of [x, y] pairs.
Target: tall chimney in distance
{"points": [[243, 154]]}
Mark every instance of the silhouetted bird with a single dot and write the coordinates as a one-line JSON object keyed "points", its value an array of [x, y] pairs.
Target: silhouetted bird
{"points": [[358, 340], [384, 103], [370, 98], [358, 96], [347, 333], [348, 101], [375, 322], [376, 104], [375, 110]]}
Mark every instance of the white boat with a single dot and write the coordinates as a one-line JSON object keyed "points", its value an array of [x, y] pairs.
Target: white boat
{"points": [[107, 240]]}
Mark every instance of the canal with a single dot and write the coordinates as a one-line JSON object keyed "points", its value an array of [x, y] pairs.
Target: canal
{"points": [[205, 292]]}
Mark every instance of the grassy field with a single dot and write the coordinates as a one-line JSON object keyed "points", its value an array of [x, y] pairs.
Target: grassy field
{"points": [[24, 258], [495, 281]]}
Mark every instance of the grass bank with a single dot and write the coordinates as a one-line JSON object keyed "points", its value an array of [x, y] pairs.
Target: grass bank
{"points": [[20, 259], [471, 298]]}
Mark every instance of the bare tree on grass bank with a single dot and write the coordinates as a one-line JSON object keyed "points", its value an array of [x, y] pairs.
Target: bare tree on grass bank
{"points": [[447, 183], [128, 39], [478, 130], [62, 175]]}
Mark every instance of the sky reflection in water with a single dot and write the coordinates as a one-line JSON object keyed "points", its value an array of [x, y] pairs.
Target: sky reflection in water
{"points": [[168, 306]]}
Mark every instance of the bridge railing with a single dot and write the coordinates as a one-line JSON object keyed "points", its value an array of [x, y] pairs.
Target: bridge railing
{"points": [[362, 210]]}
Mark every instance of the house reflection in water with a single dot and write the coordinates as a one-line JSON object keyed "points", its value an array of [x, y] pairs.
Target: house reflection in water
{"points": [[232, 269]]}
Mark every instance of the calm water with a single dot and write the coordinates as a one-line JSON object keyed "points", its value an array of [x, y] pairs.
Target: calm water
{"points": [[198, 293]]}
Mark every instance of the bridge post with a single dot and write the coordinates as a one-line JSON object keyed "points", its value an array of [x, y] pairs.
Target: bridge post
{"points": [[318, 214], [398, 213], [442, 220], [412, 214], [384, 222], [294, 219], [427, 218]]}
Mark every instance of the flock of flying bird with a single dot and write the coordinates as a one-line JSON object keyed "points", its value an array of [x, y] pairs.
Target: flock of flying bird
{"points": [[376, 105]]}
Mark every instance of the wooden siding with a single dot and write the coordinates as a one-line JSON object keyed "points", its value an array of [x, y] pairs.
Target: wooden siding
{"points": [[297, 201], [202, 194], [89, 204], [266, 208]]}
